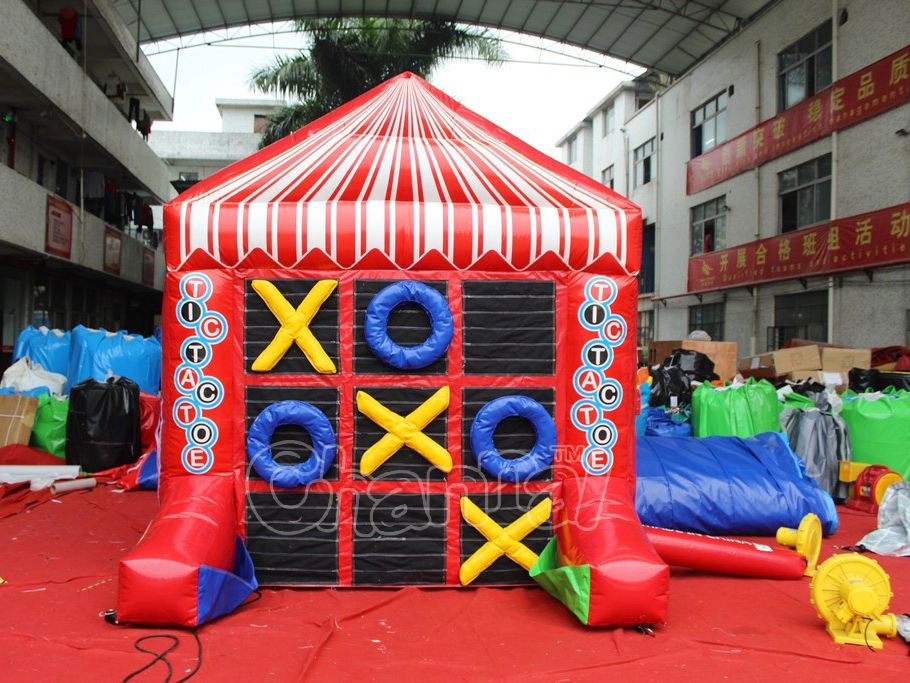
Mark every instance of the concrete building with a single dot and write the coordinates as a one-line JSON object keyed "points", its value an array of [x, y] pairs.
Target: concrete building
{"points": [[816, 181], [72, 169], [194, 155]]}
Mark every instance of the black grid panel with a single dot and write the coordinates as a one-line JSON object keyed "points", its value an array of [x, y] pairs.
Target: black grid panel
{"points": [[293, 537], [261, 326], [408, 325], [399, 539], [504, 508], [514, 436], [406, 464], [509, 327], [292, 444]]}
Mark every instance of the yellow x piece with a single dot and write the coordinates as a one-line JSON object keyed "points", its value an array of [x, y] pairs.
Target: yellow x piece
{"points": [[294, 326], [404, 431], [501, 541]]}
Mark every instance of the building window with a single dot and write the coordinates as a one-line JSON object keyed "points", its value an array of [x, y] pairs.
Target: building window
{"points": [[799, 316], [645, 165], [188, 176], [645, 327], [572, 149], [907, 340], [260, 121], [709, 226], [804, 68], [709, 318], [709, 124], [609, 121], [606, 176], [646, 279], [805, 194]]}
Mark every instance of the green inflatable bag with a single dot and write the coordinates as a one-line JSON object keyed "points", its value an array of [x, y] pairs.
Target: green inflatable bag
{"points": [[879, 428], [49, 431], [741, 410]]}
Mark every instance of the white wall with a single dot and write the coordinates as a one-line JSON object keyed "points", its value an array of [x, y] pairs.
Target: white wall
{"points": [[31, 51], [872, 170], [23, 223]]}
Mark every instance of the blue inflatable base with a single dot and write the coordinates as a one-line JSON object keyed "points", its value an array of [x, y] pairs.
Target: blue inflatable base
{"points": [[726, 485]]}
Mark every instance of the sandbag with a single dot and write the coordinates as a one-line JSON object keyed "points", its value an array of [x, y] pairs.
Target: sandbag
{"points": [[875, 380], [879, 427], [34, 393], [25, 376], [49, 430], [661, 423], [892, 537], [671, 386], [641, 419], [739, 409], [102, 428], [697, 366], [818, 436], [48, 348], [726, 485], [98, 354]]}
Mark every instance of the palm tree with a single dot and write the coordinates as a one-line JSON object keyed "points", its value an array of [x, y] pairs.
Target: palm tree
{"points": [[346, 57]]}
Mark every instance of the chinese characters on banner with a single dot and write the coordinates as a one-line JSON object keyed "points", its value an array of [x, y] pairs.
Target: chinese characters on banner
{"points": [[861, 95], [58, 236], [870, 239]]}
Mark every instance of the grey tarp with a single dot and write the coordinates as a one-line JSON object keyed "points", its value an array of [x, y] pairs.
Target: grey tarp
{"points": [[893, 534], [819, 438]]}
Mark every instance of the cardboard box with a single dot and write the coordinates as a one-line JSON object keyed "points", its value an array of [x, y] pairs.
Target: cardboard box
{"points": [[844, 360], [723, 354], [17, 417], [759, 373], [785, 360]]}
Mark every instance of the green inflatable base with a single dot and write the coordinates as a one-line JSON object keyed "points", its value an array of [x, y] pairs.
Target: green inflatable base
{"points": [[570, 585]]}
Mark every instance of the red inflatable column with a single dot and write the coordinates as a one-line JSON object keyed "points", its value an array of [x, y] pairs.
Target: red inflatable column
{"points": [[600, 564], [190, 565], [722, 555]]}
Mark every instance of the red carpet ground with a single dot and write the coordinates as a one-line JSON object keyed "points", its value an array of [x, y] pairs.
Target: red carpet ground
{"points": [[59, 560]]}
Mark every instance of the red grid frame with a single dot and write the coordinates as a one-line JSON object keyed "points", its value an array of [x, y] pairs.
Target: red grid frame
{"points": [[346, 380]]}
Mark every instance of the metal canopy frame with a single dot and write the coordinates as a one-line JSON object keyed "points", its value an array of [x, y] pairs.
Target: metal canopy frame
{"points": [[667, 35]]}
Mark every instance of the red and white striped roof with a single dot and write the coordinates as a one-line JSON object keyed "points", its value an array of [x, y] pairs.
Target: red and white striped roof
{"points": [[406, 173]]}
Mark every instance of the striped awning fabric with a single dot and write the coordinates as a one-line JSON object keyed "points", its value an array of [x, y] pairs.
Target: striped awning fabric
{"points": [[406, 173]]}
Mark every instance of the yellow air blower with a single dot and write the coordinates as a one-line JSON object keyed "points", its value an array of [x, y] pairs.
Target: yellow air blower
{"points": [[851, 593], [806, 540]]}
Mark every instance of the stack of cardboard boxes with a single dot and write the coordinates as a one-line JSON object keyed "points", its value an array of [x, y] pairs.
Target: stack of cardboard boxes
{"points": [[826, 365]]}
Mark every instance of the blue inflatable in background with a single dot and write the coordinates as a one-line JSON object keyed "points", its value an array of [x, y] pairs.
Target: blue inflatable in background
{"points": [[641, 420], [49, 348], [95, 354], [658, 422], [36, 392], [726, 485]]}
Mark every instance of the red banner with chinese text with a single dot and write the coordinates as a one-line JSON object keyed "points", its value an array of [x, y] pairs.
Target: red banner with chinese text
{"points": [[871, 239], [861, 95]]}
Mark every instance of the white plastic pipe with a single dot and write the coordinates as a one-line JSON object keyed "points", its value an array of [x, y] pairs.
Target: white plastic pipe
{"points": [[74, 485]]}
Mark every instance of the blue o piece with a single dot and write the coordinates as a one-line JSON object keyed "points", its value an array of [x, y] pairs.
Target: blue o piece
{"points": [[377, 320], [259, 444], [520, 469]]}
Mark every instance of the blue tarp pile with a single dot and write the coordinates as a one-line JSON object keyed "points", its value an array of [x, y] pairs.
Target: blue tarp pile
{"points": [[93, 354]]}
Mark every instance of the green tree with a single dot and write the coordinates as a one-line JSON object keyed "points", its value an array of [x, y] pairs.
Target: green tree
{"points": [[344, 58]]}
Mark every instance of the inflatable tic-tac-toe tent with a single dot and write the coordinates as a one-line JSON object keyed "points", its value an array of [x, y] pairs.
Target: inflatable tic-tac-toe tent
{"points": [[399, 349]]}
